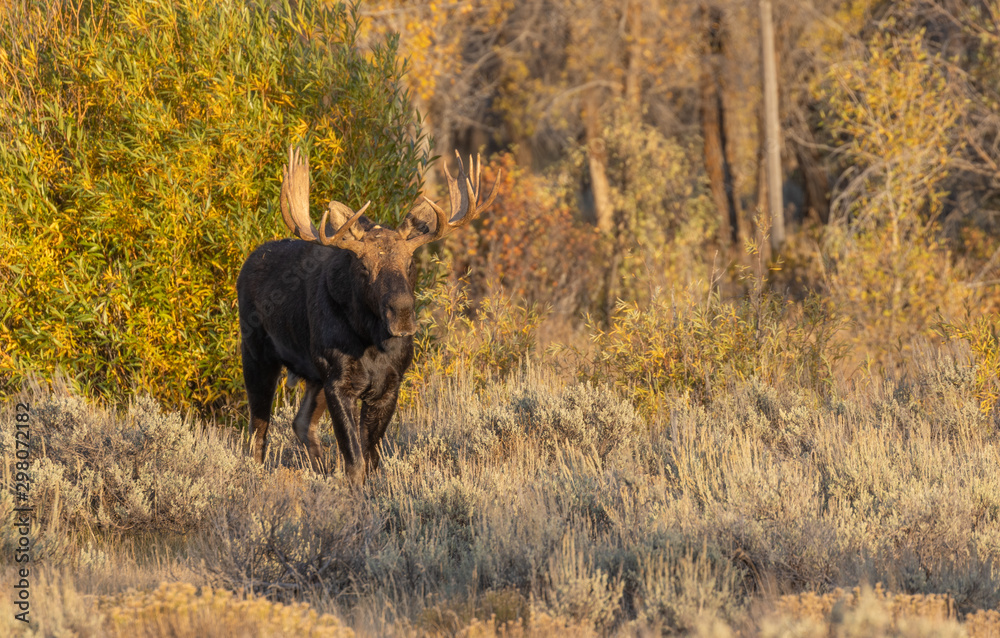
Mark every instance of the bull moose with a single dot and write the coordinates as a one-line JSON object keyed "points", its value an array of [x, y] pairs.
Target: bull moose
{"points": [[335, 308]]}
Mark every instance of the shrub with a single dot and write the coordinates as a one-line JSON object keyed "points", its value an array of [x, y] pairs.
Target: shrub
{"points": [[487, 612], [864, 612], [662, 213], [983, 623], [529, 407], [181, 609], [680, 345], [146, 469], [590, 417], [290, 535], [663, 210], [893, 117], [984, 342], [684, 529], [141, 146], [678, 593], [530, 244], [455, 335], [579, 591], [176, 609], [68, 609]]}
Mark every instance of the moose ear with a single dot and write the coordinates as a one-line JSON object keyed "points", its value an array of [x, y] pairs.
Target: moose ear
{"points": [[421, 220], [339, 214]]}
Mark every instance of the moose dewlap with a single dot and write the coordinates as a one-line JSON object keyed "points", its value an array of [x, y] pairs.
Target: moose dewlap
{"points": [[335, 308]]}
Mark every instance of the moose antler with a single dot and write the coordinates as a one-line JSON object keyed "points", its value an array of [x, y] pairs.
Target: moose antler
{"points": [[343, 212], [295, 206], [295, 195], [464, 195]]}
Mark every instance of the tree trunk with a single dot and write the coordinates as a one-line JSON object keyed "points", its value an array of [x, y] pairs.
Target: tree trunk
{"points": [[719, 176], [633, 74], [612, 225], [431, 181], [442, 140], [713, 126], [816, 184], [597, 161], [772, 127]]}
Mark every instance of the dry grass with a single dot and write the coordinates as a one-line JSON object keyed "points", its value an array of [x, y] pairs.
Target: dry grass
{"points": [[540, 506]]}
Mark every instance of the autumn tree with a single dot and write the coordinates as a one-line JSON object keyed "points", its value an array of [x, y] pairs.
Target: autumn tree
{"points": [[452, 59], [962, 37], [893, 114], [141, 147]]}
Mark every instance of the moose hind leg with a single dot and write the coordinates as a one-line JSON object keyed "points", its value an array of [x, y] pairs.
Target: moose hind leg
{"points": [[261, 377], [312, 408]]}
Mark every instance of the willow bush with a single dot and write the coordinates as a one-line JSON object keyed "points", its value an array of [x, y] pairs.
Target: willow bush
{"points": [[895, 117], [141, 145]]}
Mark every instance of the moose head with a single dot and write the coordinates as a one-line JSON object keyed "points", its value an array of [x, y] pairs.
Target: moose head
{"points": [[384, 256]]}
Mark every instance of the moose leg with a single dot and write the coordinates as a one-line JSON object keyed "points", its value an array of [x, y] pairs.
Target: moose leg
{"points": [[344, 414], [260, 376], [313, 405], [375, 418]]}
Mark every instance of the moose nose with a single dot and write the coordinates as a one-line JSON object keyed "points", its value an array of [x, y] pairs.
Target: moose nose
{"points": [[399, 318]]}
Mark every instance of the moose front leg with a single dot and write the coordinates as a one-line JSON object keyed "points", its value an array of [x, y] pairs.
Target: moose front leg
{"points": [[375, 418], [344, 414], [313, 405]]}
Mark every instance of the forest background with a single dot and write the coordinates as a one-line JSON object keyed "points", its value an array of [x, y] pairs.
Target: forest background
{"points": [[702, 427], [645, 122], [633, 142]]}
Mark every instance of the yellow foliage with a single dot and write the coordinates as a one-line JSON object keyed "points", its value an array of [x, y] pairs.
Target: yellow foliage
{"points": [[810, 605], [487, 340], [432, 34], [180, 609], [983, 337], [894, 114], [984, 623], [140, 163], [692, 341]]}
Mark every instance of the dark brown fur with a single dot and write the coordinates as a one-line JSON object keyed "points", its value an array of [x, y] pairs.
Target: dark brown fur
{"points": [[338, 312], [324, 315]]}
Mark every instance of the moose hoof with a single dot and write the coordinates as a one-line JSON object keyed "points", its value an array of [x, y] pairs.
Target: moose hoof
{"points": [[356, 474]]}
